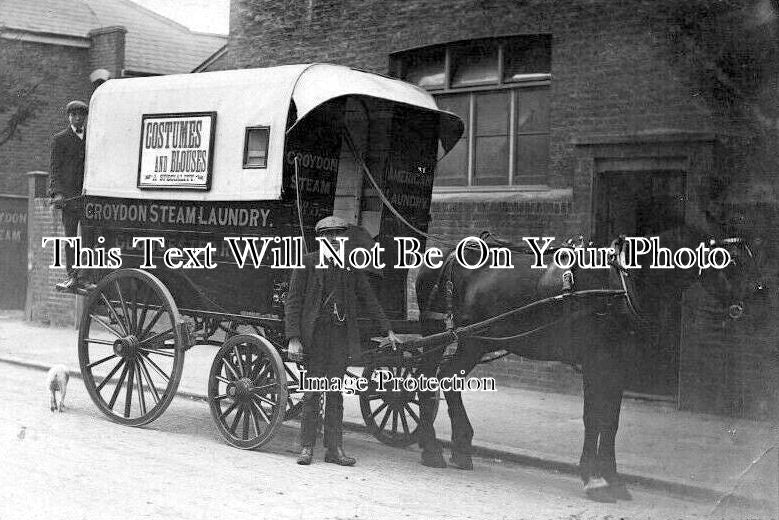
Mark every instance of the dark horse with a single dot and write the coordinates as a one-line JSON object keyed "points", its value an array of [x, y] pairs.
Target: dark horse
{"points": [[590, 332]]}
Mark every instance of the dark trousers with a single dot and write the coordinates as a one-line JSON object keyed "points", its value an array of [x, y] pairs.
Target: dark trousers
{"points": [[328, 359], [70, 218]]}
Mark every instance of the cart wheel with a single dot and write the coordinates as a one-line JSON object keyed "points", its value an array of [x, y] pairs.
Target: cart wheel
{"points": [[294, 395], [247, 391], [392, 417], [131, 327]]}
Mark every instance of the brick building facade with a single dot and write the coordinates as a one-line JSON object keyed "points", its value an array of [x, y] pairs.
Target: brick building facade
{"points": [[62, 50], [575, 111]]}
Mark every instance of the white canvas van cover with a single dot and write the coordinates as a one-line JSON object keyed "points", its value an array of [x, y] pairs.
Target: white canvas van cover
{"points": [[240, 99]]}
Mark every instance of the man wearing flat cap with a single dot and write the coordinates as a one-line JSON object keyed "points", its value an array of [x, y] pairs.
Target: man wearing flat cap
{"points": [[321, 325], [66, 178]]}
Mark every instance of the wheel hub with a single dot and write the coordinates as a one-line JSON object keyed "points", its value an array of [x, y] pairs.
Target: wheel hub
{"points": [[241, 388], [126, 347]]}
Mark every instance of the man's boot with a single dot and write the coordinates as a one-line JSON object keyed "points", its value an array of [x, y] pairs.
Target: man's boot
{"points": [[337, 456], [69, 285], [306, 454]]}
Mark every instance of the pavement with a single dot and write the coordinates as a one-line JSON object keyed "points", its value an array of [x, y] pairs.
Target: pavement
{"points": [[719, 459]]}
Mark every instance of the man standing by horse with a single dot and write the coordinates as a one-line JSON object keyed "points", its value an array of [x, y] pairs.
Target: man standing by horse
{"points": [[321, 322]]}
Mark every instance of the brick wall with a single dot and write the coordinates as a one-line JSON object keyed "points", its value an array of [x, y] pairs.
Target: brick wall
{"points": [[66, 78], [618, 68], [107, 50], [45, 304]]}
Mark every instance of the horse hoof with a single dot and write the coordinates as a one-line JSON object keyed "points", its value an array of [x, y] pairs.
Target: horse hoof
{"points": [[597, 489], [461, 461], [619, 491], [433, 460]]}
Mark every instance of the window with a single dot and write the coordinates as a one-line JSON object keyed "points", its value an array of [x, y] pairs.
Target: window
{"points": [[500, 88], [255, 147]]}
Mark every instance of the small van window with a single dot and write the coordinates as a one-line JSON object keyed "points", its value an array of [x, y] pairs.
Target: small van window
{"points": [[255, 147]]}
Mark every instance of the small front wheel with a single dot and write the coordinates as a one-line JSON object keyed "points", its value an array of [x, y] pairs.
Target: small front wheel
{"points": [[247, 391]]}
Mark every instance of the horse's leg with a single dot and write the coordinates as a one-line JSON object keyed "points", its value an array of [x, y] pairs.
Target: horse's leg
{"points": [[431, 447], [606, 458], [426, 437], [587, 468], [462, 432], [595, 378], [612, 403]]}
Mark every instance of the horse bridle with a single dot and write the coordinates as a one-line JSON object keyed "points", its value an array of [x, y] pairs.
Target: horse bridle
{"points": [[735, 310]]}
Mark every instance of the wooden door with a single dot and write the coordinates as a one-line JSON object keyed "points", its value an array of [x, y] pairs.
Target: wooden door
{"points": [[646, 204]]}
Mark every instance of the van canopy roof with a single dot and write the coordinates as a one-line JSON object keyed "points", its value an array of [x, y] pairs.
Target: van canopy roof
{"points": [[240, 99]]}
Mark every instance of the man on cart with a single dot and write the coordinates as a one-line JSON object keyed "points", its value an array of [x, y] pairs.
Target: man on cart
{"points": [[321, 322], [66, 181]]}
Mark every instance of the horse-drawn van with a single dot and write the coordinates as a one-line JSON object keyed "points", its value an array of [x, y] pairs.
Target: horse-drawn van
{"points": [[180, 162]]}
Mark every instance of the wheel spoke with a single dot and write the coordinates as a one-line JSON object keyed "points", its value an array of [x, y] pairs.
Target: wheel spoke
{"points": [[106, 326], [221, 397], [158, 352], [261, 372], [160, 336], [385, 419], [125, 312], [228, 365], [236, 419], [144, 310], [255, 421], [403, 421], [157, 315], [265, 400], [139, 389], [229, 409], [246, 425], [269, 385], [112, 312], [156, 367], [99, 341], [373, 397], [238, 360], [110, 374], [411, 413], [119, 384], [128, 400], [134, 305], [99, 361], [394, 422], [261, 411], [155, 394], [378, 410]]}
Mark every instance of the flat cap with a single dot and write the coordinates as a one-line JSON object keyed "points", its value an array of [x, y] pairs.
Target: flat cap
{"points": [[75, 106], [331, 223]]}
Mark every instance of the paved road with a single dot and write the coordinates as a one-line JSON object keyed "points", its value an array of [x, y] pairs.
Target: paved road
{"points": [[79, 465]]}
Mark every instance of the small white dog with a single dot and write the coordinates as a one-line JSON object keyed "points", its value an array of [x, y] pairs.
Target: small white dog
{"points": [[57, 381]]}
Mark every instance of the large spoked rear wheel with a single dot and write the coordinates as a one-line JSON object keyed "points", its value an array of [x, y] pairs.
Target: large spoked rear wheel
{"points": [[392, 416], [247, 391], [130, 347]]}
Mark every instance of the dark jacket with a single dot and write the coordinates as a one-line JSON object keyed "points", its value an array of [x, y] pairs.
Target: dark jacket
{"points": [[306, 295], [66, 175]]}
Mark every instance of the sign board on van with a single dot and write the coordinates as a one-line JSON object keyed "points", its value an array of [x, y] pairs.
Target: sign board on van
{"points": [[176, 151]]}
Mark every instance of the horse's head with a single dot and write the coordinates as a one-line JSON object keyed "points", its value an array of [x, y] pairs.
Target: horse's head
{"points": [[738, 285]]}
